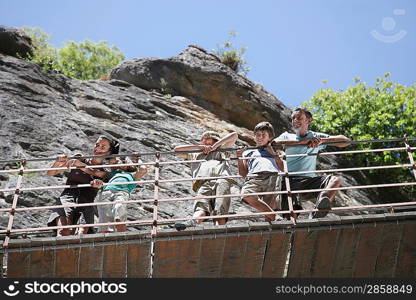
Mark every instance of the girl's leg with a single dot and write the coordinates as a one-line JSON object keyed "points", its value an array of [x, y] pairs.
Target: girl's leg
{"points": [[62, 221]]}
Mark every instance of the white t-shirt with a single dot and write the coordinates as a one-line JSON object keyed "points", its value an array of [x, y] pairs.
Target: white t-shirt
{"points": [[263, 161]]}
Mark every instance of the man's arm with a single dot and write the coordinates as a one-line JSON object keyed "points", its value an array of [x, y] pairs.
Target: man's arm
{"points": [[314, 142], [343, 140], [279, 143]]}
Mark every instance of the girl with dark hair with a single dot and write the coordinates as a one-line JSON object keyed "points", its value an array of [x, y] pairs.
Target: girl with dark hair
{"points": [[70, 215], [114, 145]]}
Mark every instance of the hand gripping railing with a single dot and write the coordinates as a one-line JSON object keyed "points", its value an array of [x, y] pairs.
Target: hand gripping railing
{"points": [[156, 200]]}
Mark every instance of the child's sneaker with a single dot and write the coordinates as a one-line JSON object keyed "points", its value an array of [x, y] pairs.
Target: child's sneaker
{"points": [[323, 203], [182, 225]]}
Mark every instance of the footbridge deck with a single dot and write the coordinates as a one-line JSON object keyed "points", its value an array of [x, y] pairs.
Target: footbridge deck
{"points": [[379, 245]]}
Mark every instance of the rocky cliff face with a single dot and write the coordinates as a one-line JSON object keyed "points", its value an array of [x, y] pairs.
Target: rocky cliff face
{"points": [[208, 83], [149, 105]]}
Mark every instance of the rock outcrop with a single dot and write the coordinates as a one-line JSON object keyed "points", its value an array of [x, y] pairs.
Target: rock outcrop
{"points": [[201, 77], [15, 42], [43, 114]]}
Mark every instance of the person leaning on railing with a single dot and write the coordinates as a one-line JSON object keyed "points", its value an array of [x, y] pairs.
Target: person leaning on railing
{"points": [[117, 212], [264, 164], [70, 215], [214, 166], [305, 141]]}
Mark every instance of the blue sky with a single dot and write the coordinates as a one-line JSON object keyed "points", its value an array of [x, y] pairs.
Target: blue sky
{"points": [[292, 44]]}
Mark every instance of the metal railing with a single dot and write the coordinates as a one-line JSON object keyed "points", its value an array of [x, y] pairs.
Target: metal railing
{"points": [[156, 200]]}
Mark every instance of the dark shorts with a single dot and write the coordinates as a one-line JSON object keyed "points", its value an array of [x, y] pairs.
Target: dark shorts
{"points": [[71, 196], [302, 183]]}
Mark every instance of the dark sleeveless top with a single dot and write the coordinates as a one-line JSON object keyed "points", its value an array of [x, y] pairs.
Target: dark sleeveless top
{"points": [[77, 176]]}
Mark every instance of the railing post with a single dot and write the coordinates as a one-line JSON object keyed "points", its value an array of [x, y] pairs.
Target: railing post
{"points": [[409, 153], [289, 194], [14, 203], [156, 194], [155, 211]]}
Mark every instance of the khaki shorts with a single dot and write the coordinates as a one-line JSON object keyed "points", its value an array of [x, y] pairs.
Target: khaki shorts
{"points": [[214, 206], [264, 182], [116, 211]]}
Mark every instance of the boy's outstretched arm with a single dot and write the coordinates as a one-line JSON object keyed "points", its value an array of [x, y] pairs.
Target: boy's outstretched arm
{"points": [[187, 148], [227, 141]]}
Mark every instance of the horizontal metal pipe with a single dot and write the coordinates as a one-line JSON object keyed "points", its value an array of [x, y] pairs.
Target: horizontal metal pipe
{"points": [[213, 197], [210, 178], [194, 151], [251, 214]]}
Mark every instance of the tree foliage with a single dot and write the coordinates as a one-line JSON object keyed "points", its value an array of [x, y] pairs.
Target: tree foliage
{"points": [[88, 60], [85, 60], [383, 111], [44, 54], [232, 57]]}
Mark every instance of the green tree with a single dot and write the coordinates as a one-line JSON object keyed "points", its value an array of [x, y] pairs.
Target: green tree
{"points": [[383, 111], [232, 57], [85, 60], [88, 60], [44, 54]]}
